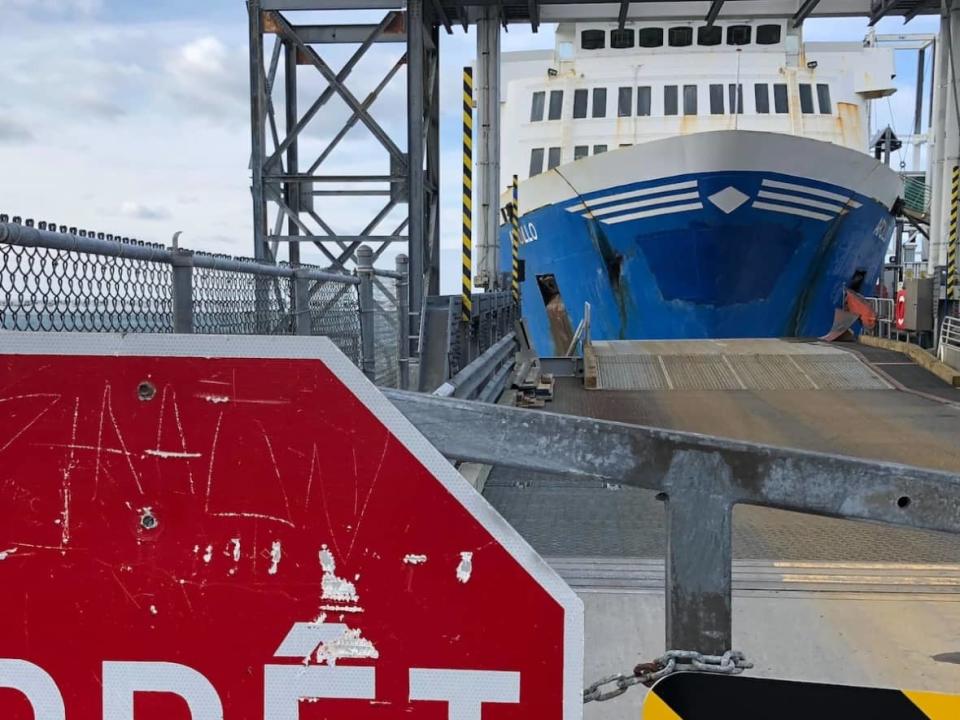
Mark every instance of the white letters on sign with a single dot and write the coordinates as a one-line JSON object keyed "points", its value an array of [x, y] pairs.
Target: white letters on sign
{"points": [[122, 679], [40, 689], [464, 691]]}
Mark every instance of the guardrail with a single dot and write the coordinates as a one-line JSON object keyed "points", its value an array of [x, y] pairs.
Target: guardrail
{"points": [[64, 281], [699, 478], [485, 377], [68, 279], [948, 349], [885, 311]]}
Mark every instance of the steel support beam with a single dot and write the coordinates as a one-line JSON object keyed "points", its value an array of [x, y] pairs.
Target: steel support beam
{"points": [[701, 478], [804, 12], [258, 114], [416, 159], [346, 34], [487, 150], [714, 12]]}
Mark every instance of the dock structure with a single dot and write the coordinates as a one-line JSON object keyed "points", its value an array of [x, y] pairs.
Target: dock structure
{"points": [[402, 196], [671, 471], [591, 484]]}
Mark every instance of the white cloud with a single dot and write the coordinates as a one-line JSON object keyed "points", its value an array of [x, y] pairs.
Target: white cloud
{"points": [[208, 78], [143, 212], [53, 7], [12, 131]]}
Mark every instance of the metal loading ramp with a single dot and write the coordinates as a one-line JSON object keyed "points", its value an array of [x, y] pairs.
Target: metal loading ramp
{"points": [[728, 365], [815, 598]]}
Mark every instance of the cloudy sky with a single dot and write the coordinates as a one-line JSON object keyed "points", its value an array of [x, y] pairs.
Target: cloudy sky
{"points": [[132, 117]]}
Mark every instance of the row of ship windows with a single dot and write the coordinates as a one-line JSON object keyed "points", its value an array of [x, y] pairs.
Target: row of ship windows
{"points": [[553, 156], [672, 95], [653, 37]]}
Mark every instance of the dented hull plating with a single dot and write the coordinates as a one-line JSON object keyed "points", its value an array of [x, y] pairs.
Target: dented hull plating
{"points": [[741, 252]]}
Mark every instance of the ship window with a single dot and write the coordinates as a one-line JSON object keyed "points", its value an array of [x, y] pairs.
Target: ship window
{"points": [[536, 161], [780, 103], [761, 95], [536, 107], [823, 95], [579, 104], [593, 39], [806, 98], [553, 158], [599, 102], [716, 99], [768, 34], [622, 39], [556, 104], [624, 102], [651, 37], [709, 36], [739, 34], [581, 151], [597, 149], [670, 100], [689, 99], [736, 98], [680, 36], [643, 101]]}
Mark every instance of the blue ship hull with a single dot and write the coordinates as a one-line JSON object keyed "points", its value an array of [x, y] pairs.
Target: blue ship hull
{"points": [[702, 255]]}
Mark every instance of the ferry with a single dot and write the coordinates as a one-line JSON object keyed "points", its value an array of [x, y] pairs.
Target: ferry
{"points": [[689, 180]]}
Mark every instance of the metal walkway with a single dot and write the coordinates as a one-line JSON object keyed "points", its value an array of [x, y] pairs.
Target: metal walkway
{"points": [[815, 598], [730, 365]]}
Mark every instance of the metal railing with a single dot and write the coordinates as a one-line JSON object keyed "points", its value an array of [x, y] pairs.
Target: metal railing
{"points": [[916, 194], [884, 309], [948, 350], [700, 479], [79, 280], [65, 281]]}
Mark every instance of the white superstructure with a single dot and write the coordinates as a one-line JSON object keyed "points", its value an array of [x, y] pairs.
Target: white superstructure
{"points": [[601, 88]]}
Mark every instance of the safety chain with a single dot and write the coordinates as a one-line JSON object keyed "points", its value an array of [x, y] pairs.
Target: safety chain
{"points": [[731, 662]]}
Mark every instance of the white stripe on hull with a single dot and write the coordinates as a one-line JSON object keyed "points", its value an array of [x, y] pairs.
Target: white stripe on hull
{"points": [[786, 209], [643, 203], [652, 213], [796, 199], [811, 191], [633, 194]]}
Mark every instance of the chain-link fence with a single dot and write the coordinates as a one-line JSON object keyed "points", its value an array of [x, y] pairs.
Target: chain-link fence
{"points": [[385, 329], [46, 289], [66, 282], [84, 281]]}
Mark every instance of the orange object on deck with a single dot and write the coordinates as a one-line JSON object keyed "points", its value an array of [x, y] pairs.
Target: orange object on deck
{"points": [[857, 304]]}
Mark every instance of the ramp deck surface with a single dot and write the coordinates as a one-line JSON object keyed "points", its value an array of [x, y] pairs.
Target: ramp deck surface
{"points": [[814, 598]]}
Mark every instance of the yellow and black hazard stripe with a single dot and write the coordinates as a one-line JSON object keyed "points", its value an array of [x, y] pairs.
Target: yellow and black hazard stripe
{"points": [[953, 268], [466, 292], [700, 696], [515, 241]]}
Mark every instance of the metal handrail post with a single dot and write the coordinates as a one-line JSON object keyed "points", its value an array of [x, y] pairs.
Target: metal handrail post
{"points": [[181, 262], [301, 303], [403, 322], [367, 341]]}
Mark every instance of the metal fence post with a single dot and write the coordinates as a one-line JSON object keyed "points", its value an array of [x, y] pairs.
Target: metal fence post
{"points": [[403, 322], [182, 291], [367, 341], [301, 303]]}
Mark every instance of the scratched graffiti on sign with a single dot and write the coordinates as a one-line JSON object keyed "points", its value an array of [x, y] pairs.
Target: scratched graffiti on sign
{"points": [[248, 535]]}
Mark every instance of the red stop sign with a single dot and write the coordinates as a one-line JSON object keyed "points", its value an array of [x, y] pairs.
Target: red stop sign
{"points": [[227, 527]]}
